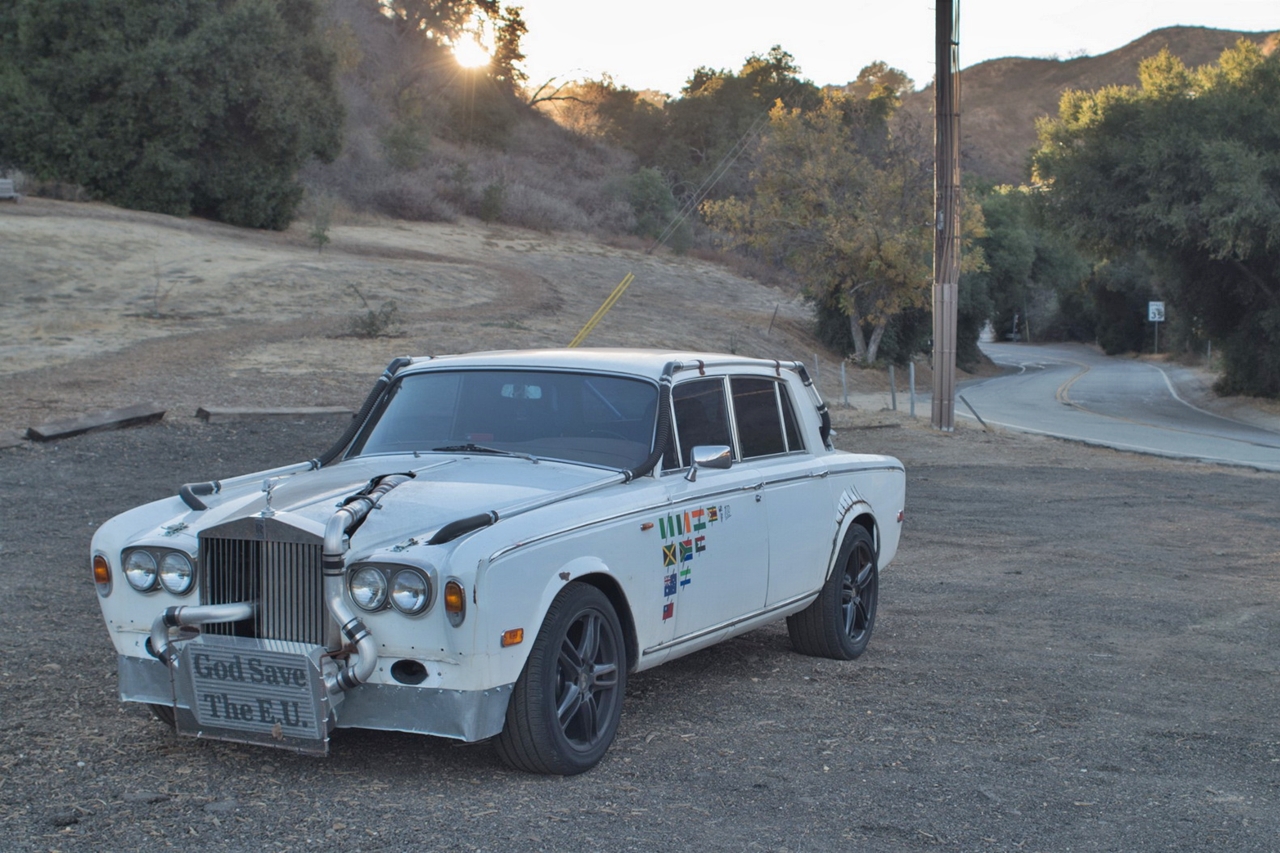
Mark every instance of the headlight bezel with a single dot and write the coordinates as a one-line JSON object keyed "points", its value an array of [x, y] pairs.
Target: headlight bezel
{"points": [[152, 578], [389, 574]]}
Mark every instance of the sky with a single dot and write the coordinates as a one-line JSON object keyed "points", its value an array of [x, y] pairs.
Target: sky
{"points": [[655, 44]]}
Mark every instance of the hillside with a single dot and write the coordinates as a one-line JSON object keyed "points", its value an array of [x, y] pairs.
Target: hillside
{"points": [[110, 307], [1002, 98]]}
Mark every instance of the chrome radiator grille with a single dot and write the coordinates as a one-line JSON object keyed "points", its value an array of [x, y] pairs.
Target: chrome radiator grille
{"points": [[283, 577]]}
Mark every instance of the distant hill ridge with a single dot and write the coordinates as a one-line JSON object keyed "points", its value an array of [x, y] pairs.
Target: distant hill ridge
{"points": [[1002, 98]]}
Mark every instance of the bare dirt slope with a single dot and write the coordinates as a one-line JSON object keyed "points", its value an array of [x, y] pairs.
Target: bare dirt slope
{"points": [[105, 307]]}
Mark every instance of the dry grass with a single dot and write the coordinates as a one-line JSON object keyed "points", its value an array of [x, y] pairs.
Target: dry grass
{"points": [[261, 318]]}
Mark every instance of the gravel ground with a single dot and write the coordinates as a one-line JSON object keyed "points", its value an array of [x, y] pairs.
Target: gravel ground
{"points": [[1076, 650]]}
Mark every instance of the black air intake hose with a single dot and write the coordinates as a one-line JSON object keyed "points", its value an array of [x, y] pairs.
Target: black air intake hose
{"points": [[357, 422], [192, 492]]}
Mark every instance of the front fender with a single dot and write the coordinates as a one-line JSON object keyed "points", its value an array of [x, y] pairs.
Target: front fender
{"points": [[516, 592]]}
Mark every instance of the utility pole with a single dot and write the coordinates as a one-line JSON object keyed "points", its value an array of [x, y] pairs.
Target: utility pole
{"points": [[946, 199]]}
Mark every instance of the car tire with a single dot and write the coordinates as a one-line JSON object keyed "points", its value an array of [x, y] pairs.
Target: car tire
{"points": [[839, 622], [164, 713], [565, 707]]}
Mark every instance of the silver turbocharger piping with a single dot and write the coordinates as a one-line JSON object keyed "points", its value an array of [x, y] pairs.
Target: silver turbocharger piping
{"points": [[360, 666], [191, 617]]}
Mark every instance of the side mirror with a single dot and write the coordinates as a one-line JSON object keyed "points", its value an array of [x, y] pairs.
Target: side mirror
{"points": [[714, 456]]}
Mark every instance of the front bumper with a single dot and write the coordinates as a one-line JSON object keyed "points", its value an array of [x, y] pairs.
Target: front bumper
{"points": [[468, 715]]}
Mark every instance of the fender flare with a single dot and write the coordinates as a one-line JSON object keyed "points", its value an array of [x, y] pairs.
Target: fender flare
{"points": [[856, 510]]}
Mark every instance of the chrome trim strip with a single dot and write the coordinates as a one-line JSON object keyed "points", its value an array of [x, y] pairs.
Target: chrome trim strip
{"points": [[812, 475], [502, 552], [697, 635], [860, 468]]}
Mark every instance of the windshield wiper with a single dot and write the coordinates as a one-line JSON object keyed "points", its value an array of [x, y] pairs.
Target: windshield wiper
{"points": [[480, 448]]}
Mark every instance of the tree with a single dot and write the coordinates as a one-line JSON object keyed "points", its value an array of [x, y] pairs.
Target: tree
{"points": [[1185, 167], [484, 103], [1033, 273], [188, 107], [844, 197], [712, 125]]}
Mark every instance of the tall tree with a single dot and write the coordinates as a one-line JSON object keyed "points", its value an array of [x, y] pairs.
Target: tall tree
{"points": [[195, 106], [1186, 168], [844, 198], [711, 127]]}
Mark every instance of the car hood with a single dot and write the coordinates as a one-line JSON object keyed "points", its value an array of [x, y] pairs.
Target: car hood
{"points": [[443, 489]]}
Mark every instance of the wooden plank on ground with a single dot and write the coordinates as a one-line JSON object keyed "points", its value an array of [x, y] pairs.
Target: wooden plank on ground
{"points": [[223, 415], [11, 438], [136, 415]]}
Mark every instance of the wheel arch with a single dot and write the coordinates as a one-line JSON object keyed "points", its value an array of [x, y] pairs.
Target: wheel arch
{"points": [[861, 515], [868, 522], [612, 590]]}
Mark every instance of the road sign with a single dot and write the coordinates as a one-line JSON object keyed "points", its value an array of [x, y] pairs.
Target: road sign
{"points": [[1155, 312]]}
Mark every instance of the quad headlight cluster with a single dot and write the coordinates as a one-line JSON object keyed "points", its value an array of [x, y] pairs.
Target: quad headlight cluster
{"points": [[148, 569], [376, 587]]}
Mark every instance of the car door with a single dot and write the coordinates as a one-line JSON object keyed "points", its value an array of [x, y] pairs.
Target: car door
{"points": [[794, 490], [715, 534]]}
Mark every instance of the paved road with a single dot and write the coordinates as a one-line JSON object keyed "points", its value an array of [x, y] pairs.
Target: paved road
{"points": [[1072, 391]]}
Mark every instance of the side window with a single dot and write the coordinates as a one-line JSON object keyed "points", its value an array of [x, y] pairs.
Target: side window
{"points": [[701, 415], [755, 407]]}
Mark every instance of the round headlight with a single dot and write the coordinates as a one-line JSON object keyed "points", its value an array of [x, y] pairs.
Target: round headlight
{"points": [[177, 573], [140, 570], [410, 592], [368, 588]]}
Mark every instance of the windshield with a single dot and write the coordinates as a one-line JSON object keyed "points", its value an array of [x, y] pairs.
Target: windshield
{"points": [[580, 417]]}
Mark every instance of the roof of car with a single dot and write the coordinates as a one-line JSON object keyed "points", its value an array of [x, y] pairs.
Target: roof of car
{"points": [[641, 362]]}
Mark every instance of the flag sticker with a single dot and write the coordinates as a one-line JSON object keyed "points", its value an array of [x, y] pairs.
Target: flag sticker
{"points": [[668, 610], [669, 585], [686, 577], [677, 529]]}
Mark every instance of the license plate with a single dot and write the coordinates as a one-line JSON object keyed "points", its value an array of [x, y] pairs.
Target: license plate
{"points": [[266, 692]]}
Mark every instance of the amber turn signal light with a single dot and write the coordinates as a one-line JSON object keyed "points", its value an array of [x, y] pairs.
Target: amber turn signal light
{"points": [[101, 571], [455, 603], [513, 637]]}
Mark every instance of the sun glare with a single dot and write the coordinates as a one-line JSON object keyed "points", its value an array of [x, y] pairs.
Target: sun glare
{"points": [[470, 53]]}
